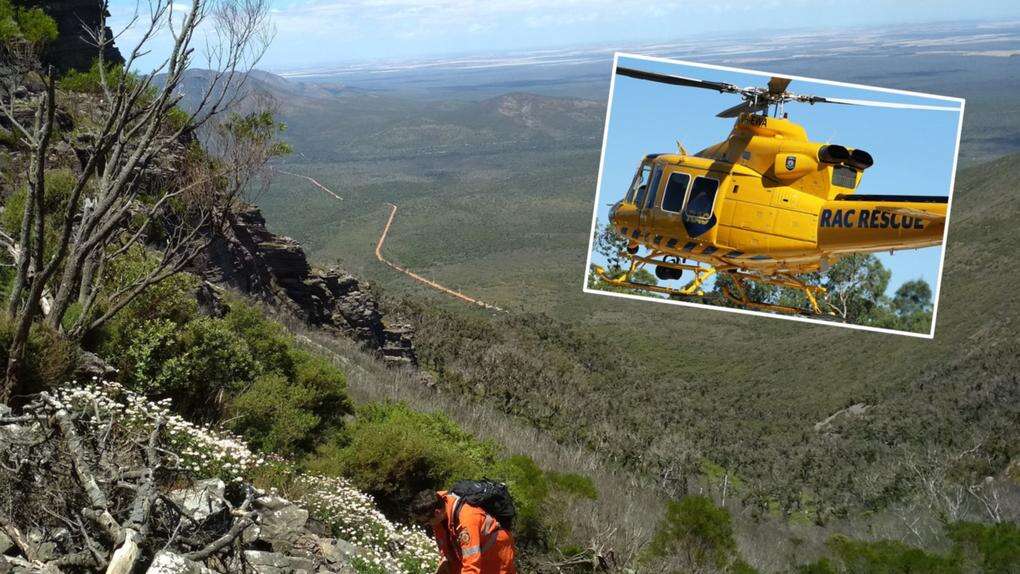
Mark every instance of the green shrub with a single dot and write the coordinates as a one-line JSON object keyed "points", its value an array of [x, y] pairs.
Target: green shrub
{"points": [[822, 566], [275, 416], [888, 557], [50, 360], [198, 366], [268, 340], [286, 416], [171, 300], [393, 452], [574, 484], [59, 183], [989, 548], [282, 399], [32, 25], [699, 531], [90, 81], [8, 22], [177, 118], [6, 282], [530, 490]]}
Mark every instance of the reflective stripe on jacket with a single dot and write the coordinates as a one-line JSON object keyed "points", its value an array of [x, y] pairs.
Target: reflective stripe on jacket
{"points": [[479, 546]]}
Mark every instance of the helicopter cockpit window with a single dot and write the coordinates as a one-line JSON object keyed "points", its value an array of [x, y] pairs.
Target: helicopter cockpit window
{"points": [[676, 189], [640, 180], [653, 187], [699, 207], [639, 198]]}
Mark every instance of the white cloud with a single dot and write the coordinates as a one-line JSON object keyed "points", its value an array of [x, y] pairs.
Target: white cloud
{"points": [[461, 16]]}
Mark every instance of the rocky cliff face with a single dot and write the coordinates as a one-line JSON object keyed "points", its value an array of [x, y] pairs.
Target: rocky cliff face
{"points": [[72, 50], [273, 268]]}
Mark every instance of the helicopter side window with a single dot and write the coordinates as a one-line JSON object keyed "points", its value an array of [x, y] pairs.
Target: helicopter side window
{"points": [[676, 190], [640, 181], [653, 187], [699, 206]]}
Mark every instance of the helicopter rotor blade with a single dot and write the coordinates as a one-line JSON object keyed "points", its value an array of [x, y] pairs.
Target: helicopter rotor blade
{"points": [[758, 99], [778, 85], [873, 103], [677, 80]]}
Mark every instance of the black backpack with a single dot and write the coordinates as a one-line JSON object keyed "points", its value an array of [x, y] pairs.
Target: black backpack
{"points": [[491, 496]]}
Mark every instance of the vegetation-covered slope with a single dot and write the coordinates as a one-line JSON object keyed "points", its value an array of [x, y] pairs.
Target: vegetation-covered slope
{"points": [[809, 422]]}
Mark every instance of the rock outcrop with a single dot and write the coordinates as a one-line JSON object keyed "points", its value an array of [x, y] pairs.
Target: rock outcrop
{"points": [[283, 540], [274, 269], [72, 50]]}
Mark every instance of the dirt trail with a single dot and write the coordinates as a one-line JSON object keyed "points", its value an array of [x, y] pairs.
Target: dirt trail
{"points": [[378, 251], [419, 278], [314, 182]]}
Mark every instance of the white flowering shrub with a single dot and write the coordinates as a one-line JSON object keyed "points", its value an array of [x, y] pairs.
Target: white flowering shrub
{"points": [[200, 450], [388, 548]]}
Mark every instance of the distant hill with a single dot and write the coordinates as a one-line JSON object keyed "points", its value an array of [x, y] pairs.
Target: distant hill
{"points": [[331, 120]]}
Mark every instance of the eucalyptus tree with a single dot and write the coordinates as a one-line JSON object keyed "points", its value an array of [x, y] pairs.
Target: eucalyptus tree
{"points": [[115, 205]]}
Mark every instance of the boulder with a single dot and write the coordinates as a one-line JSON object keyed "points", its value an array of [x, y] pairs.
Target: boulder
{"points": [[202, 500], [276, 563], [92, 365], [210, 300], [281, 524], [335, 551], [167, 562]]}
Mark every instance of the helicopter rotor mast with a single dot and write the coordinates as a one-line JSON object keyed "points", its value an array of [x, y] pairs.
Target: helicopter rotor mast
{"points": [[760, 99]]}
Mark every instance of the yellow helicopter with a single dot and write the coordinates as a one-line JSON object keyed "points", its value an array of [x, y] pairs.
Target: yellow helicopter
{"points": [[765, 205]]}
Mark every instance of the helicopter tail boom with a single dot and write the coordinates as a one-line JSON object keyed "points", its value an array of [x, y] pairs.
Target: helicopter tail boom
{"points": [[880, 223]]}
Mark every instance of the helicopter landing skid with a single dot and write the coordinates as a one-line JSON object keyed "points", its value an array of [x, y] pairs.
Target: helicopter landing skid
{"points": [[810, 293], [692, 289], [703, 273]]}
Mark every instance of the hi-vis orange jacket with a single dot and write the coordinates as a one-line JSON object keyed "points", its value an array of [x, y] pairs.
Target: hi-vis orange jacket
{"points": [[478, 546]]}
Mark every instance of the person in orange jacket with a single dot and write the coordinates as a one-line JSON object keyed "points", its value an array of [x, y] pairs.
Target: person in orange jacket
{"points": [[470, 542]]}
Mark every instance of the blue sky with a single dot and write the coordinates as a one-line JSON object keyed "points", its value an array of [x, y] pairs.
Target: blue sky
{"points": [[313, 32], [648, 117]]}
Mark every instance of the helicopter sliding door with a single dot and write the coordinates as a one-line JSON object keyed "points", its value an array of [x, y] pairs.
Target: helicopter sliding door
{"points": [[667, 220], [698, 215]]}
